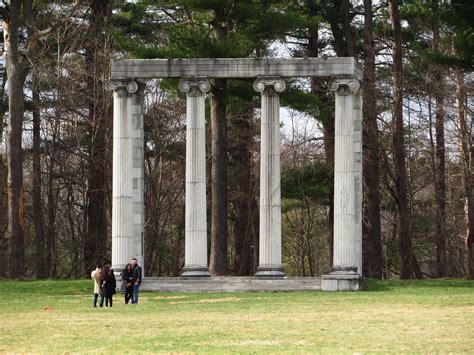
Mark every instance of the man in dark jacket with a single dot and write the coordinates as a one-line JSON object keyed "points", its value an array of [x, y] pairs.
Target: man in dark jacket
{"points": [[136, 279]]}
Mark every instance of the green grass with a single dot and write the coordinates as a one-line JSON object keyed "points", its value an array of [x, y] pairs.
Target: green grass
{"points": [[389, 316]]}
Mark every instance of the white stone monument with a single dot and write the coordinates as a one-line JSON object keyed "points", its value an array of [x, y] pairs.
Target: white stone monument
{"points": [[127, 204]]}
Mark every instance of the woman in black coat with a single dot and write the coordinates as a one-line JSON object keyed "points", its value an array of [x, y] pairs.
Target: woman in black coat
{"points": [[127, 285], [109, 286]]}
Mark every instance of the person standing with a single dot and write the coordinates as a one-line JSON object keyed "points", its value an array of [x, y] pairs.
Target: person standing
{"points": [[127, 285], [95, 275], [109, 288], [136, 279]]}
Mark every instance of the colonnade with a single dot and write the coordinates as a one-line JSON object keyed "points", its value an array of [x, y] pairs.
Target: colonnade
{"points": [[128, 207]]}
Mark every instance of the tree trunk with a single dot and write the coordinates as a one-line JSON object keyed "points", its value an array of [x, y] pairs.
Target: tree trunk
{"points": [[15, 173], [3, 219], [3, 191], [318, 88], [37, 200], [348, 36], [218, 257], [440, 172], [243, 196], [404, 238], [470, 238], [467, 155], [16, 75], [51, 201], [95, 241], [371, 153]]}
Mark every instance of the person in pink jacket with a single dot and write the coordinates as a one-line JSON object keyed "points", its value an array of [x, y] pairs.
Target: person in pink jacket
{"points": [[95, 275]]}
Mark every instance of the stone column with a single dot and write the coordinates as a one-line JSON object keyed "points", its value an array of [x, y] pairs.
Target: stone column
{"points": [[195, 211], [345, 274], [358, 179], [138, 182], [127, 181], [270, 206]]}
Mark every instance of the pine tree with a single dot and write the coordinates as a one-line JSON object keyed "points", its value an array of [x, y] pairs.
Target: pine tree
{"points": [[209, 29]]}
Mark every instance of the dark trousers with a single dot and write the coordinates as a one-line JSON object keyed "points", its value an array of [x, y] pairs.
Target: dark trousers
{"points": [[108, 301], [128, 294]]}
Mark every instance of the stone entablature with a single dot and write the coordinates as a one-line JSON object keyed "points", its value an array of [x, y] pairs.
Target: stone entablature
{"points": [[233, 68]]}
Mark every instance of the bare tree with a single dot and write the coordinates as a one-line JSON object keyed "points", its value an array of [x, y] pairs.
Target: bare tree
{"points": [[37, 183], [17, 16], [96, 66]]}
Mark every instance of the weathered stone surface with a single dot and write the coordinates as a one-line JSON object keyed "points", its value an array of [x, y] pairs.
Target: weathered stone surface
{"points": [[235, 68], [270, 200], [340, 282], [230, 284], [195, 209], [137, 141], [122, 184], [358, 181], [347, 189], [127, 214], [347, 264], [127, 178]]}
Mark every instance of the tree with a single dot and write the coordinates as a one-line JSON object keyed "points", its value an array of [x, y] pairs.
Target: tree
{"points": [[467, 156], [404, 238], [97, 56], [213, 29], [17, 16], [243, 194], [440, 172], [37, 183], [371, 152], [218, 263]]}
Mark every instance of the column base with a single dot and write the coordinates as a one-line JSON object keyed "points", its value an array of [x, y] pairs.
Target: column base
{"points": [[341, 280], [268, 271], [118, 280], [195, 272]]}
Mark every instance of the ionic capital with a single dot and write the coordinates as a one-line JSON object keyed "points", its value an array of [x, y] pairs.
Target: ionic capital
{"points": [[269, 85], [344, 86], [194, 86], [124, 87]]}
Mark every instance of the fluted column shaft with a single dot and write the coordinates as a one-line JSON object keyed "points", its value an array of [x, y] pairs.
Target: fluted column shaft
{"points": [[195, 209], [138, 182], [270, 201], [127, 178], [358, 180], [347, 177], [347, 262]]}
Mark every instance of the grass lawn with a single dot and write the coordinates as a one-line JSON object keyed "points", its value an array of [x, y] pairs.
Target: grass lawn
{"points": [[389, 316]]}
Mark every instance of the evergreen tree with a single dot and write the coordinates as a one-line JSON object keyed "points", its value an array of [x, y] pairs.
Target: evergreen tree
{"points": [[209, 29]]}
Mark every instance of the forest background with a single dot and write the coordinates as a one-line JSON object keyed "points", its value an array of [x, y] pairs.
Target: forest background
{"points": [[56, 147]]}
